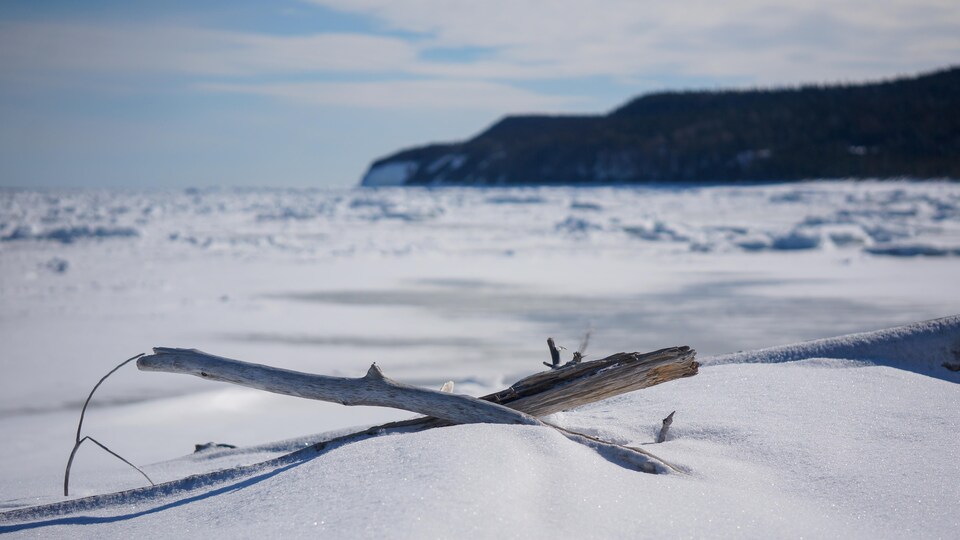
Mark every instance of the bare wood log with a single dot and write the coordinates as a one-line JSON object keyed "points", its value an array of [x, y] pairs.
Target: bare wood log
{"points": [[564, 388], [575, 385], [667, 422], [541, 394], [372, 389], [570, 386]]}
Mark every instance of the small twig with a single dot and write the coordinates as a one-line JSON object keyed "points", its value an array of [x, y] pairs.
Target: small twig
{"points": [[79, 441], [578, 355], [582, 351], [554, 354], [666, 427]]}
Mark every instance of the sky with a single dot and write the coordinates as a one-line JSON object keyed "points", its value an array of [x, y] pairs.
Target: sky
{"points": [[306, 93]]}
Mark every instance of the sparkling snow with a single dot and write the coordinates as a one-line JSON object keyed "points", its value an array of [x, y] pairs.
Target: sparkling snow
{"points": [[855, 437]]}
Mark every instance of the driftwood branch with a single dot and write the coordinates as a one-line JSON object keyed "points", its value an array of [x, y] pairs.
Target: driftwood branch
{"points": [[538, 395], [372, 389], [567, 387], [575, 385]]}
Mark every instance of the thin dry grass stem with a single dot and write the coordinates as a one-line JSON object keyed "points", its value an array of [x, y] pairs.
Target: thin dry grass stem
{"points": [[111, 452], [79, 440]]}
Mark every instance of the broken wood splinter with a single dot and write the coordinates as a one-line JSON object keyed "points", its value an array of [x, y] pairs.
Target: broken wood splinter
{"points": [[667, 422]]}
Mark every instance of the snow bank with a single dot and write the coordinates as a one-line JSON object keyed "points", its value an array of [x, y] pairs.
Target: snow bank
{"points": [[445, 284], [930, 348], [820, 448]]}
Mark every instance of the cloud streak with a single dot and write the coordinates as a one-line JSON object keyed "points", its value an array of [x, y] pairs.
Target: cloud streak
{"points": [[635, 43], [759, 41], [130, 48], [207, 92]]}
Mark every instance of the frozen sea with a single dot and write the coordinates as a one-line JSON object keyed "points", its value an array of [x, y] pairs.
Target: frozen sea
{"points": [[432, 284]]}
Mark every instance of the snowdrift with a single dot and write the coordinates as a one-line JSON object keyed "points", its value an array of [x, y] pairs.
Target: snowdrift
{"points": [[822, 439], [930, 348]]}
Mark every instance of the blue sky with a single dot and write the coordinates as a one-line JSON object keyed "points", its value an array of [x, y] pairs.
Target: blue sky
{"points": [[307, 93]]}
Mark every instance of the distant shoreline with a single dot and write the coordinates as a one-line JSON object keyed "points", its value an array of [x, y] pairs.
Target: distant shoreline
{"points": [[310, 189], [896, 129]]}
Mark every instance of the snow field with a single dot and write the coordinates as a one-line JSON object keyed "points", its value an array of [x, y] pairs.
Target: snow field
{"points": [[852, 437]]}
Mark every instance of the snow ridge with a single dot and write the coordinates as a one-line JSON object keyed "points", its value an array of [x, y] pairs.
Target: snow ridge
{"points": [[930, 348]]}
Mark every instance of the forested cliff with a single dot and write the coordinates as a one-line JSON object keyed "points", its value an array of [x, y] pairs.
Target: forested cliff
{"points": [[907, 127]]}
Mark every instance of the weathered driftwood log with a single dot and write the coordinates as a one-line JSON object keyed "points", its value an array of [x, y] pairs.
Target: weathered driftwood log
{"points": [[372, 389], [541, 394], [538, 395], [575, 385]]}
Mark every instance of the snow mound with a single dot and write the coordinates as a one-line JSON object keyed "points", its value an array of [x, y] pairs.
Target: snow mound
{"points": [[821, 448], [930, 348]]}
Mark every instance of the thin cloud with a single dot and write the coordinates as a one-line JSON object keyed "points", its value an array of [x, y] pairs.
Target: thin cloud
{"points": [[138, 48], [637, 43], [758, 41], [229, 62]]}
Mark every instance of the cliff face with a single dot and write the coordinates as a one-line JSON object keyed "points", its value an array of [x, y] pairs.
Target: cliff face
{"points": [[902, 128]]}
